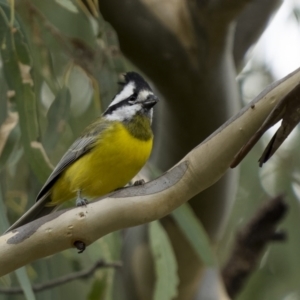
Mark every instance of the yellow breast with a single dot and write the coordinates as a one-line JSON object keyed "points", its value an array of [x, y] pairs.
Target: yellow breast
{"points": [[114, 160]]}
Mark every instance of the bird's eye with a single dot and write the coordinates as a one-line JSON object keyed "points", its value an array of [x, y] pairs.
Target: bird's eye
{"points": [[133, 97]]}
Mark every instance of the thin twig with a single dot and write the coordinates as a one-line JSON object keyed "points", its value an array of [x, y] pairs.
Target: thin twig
{"points": [[250, 243], [81, 53], [62, 280]]}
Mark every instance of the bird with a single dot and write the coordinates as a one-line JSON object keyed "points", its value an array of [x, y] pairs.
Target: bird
{"points": [[108, 154]]}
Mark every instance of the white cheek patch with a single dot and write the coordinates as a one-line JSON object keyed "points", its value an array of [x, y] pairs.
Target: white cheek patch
{"points": [[126, 92], [144, 94], [123, 113]]}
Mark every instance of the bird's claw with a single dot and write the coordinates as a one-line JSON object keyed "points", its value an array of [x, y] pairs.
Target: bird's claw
{"points": [[80, 201], [139, 182]]}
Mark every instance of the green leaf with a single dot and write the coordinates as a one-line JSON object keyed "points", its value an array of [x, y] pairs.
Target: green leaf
{"points": [[18, 79], [110, 248], [165, 263], [9, 146], [25, 283], [70, 24], [58, 113], [4, 224], [98, 289], [22, 50], [68, 4], [195, 233], [20, 273]]}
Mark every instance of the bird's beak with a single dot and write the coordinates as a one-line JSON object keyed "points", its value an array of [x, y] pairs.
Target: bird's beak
{"points": [[150, 102]]}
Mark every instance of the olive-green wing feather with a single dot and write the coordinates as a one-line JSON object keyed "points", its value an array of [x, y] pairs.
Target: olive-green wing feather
{"points": [[80, 147]]}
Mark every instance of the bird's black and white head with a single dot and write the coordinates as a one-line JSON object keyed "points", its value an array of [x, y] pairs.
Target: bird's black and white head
{"points": [[136, 97]]}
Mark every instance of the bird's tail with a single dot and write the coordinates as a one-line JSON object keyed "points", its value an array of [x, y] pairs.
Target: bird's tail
{"points": [[38, 210]]}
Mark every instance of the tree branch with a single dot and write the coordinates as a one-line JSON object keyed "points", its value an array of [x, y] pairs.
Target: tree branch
{"points": [[287, 110], [250, 25], [132, 206], [65, 279], [250, 242]]}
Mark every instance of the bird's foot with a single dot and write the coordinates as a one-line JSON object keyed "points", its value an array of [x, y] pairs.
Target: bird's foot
{"points": [[81, 201], [139, 182]]}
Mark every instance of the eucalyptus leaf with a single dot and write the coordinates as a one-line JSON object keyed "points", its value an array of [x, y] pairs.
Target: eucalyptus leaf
{"points": [[4, 224], [68, 4], [9, 146], [107, 248], [195, 233], [25, 283], [57, 115], [18, 79], [73, 25], [20, 273], [98, 289], [164, 262]]}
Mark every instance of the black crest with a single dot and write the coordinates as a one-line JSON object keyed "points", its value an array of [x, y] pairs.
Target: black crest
{"points": [[139, 81]]}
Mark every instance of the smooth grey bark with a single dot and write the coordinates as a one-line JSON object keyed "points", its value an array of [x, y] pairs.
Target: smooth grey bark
{"points": [[251, 23]]}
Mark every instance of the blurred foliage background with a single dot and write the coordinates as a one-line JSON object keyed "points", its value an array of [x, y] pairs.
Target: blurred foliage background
{"points": [[60, 63], [52, 64]]}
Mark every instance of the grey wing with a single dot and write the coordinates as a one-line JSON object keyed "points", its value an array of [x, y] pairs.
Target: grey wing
{"points": [[80, 147]]}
